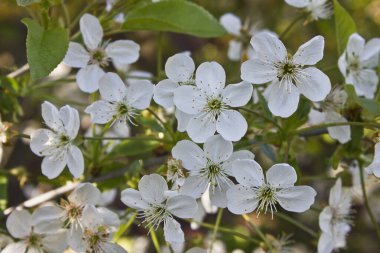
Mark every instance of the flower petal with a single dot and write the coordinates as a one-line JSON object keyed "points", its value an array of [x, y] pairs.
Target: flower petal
{"points": [[258, 71], [231, 23], [133, 199], [164, 93], [139, 94], [241, 199], [237, 94], [314, 84], [325, 218], [248, 172], [112, 248], [183, 120], [316, 117], [310, 52], [53, 242], [179, 68], [47, 219], [189, 99], [365, 82], [190, 154], [194, 186], [40, 142], [112, 88], [19, 223], [75, 161], [88, 78], [182, 206], [19, 247], [268, 47], [231, 125], [211, 78], [355, 45], [298, 3], [123, 51], [76, 56], [152, 188], [371, 49], [297, 198], [326, 243], [92, 31], [235, 49], [218, 194], [282, 102], [201, 127], [218, 149], [50, 114], [340, 133], [281, 175], [52, 166], [241, 154], [85, 194], [101, 111], [70, 120], [196, 250], [173, 232]]}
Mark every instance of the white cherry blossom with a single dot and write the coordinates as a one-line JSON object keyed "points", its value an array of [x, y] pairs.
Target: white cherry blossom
{"points": [[289, 76], [374, 167], [318, 9], [208, 168], [256, 192], [36, 232], [156, 204], [56, 144], [357, 64], [334, 219], [118, 101], [212, 104], [95, 56]]}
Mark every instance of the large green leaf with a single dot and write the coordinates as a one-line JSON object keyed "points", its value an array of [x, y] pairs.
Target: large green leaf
{"points": [[344, 26], [174, 16], [46, 48]]}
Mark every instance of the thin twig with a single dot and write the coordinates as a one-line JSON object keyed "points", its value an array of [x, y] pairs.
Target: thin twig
{"points": [[19, 71]]}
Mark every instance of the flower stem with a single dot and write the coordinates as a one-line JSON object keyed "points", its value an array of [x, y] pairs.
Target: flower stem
{"points": [[260, 115], [307, 130], [216, 227], [297, 224], [258, 231], [155, 240]]}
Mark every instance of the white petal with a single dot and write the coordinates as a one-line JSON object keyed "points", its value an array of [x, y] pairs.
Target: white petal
{"points": [[164, 93], [258, 71], [19, 247], [355, 45], [173, 232], [75, 161], [326, 243], [91, 218], [238, 94], [182, 120], [201, 127], [85, 194], [241, 154], [297, 198], [92, 31], [210, 77], [182, 206], [152, 188], [189, 99], [248, 172], [231, 23], [325, 218], [76, 56], [340, 133], [74, 239], [206, 202], [190, 154], [101, 111], [314, 84], [179, 68], [51, 117], [310, 52], [139, 94], [234, 50], [53, 243], [19, 223], [241, 199], [112, 88], [40, 142], [316, 117], [194, 186], [52, 167], [298, 3], [133, 199], [231, 125], [70, 120], [218, 149], [365, 83], [88, 78], [374, 167], [123, 51], [282, 102], [218, 194], [196, 250], [47, 219], [281, 175], [112, 248], [371, 49], [268, 47], [110, 218]]}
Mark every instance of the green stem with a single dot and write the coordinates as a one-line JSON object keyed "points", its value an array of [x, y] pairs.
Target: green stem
{"points": [[162, 123], [297, 224], [124, 227], [258, 231], [21, 135], [95, 138], [66, 13], [216, 227], [290, 26], [369, 125], [155, 240], [260, 115], [159, 55], [366, 203]]}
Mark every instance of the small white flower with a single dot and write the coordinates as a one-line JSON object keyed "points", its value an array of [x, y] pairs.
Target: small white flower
{"points": [[175, 173], [209, 168], [156, 205], [211, 104], [254, 192], [357, 63], [179, 69], [374, 167], [318, 9], [288, 75], [334, 219], [97, 55], [204, 207], [36, 233], [120, 102], [57, 145], [96, 234]]}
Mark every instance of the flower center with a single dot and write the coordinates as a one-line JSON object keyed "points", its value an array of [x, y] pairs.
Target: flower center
{"points": [[98, 56], [267, 199], [125, 113], [73, 212], [155, 215], [214, 173], [34, 240], [95, 238], [215, 106]]}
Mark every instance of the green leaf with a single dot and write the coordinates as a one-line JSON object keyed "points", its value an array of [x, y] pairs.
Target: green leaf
{"points": [[372, 106], [134, 147], [46, 48], [174, 16], [25, 3], [344, 26]]}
